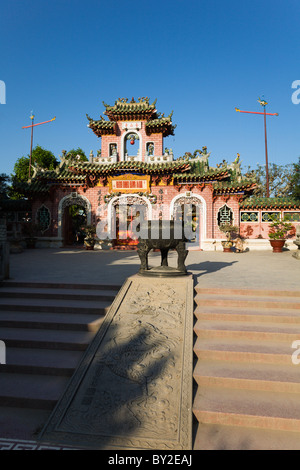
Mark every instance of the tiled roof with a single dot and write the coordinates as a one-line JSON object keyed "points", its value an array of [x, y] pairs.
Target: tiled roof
{"points": [[183, 171], [122, 109], [44, 180], [161, 124], [227, 187], [270, 203], [81, 173], [102, 127], [141, 167], [211, 175]]}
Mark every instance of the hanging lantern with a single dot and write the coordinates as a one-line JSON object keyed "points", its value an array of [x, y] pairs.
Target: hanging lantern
{"points": [[132, 138]]}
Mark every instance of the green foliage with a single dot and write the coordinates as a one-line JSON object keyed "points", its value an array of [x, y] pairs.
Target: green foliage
{"points": [[73, 155], [280, 179], [4, 188], [40, 157], [229, 228], [279, 229], [295, 193]]}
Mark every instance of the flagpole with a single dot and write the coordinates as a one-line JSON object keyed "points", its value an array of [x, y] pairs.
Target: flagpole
{"points": [[32, 126], [266, 151], [263, 104], [32, 119]]}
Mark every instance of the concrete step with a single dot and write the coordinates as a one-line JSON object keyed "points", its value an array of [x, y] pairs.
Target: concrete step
{"points": [[44, 361], [249, 408], [248, 330], [280, 302], [246, 381], [43, 338], [57, 293], [31, 391], [239, 350], [262, 377], [246, 292], [46, 328], [247, 314], [54, 305], [21, 423], [45, 320], [56, 285], [225, 437]]}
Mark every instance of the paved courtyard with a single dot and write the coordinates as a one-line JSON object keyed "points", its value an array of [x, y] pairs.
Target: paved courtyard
{"points": [[252, 269]]}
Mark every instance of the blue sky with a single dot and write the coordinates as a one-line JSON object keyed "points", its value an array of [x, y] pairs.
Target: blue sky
{"points": [[200, 59]]}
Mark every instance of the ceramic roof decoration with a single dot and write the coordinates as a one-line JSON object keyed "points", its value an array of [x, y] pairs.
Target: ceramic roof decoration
{"points": [[102, 127], [122, 109]]}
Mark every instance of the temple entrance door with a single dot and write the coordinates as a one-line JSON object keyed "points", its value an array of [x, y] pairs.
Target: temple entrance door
{"points": [[74, 218], [127, 218], [190, 211]]}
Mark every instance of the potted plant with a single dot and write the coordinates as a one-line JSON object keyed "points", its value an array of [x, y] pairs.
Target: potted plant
{"points": [[228, 229], [89, 236], [105, 244], [279, 233]]}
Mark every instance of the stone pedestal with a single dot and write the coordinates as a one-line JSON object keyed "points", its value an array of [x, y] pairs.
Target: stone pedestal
{"points": [[133, 388]]}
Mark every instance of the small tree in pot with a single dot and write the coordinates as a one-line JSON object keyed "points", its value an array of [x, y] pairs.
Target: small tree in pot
{"points": [[278, 233], [90, 236], [229, 230]]}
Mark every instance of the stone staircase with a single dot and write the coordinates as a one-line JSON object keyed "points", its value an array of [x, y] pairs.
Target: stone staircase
{"points": [[247, 389], [46, 328]]}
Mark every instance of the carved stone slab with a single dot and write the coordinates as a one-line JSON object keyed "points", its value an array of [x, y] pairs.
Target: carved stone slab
{"points": [[133, 387]]}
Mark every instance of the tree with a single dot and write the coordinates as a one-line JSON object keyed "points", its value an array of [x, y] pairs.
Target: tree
{"points": [[40, 158], [4, 188], [280, 179], [73, 155], [295, 193]]}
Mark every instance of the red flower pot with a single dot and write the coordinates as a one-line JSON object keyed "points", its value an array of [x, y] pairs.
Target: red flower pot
{"points": [[277, 245]]}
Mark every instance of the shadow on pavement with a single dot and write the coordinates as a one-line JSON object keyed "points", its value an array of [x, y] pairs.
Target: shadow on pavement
{"points": [[208, 267]]}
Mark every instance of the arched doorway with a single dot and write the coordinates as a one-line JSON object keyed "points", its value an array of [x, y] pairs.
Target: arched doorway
{"points": [[132, 146], [126, 213], [74, 219], [74, 211], [192, 209]]}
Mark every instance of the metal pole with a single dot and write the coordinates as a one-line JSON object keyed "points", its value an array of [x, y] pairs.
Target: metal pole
{"points": [[266, 148], [32, 118], [32, 126], [263, 103]]}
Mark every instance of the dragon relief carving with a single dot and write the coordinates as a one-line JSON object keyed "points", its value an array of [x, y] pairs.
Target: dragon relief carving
{"points": [[139, 350]]}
